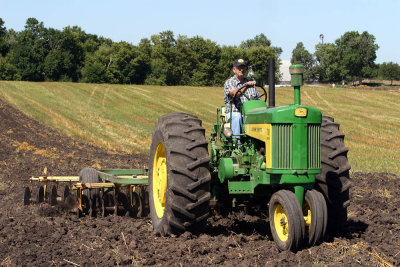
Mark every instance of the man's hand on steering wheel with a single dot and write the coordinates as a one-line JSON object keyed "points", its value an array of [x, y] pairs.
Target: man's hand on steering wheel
{"points": [[250, 84], [244, 88]]}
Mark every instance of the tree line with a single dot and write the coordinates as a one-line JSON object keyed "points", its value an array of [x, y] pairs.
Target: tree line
{"points": [[38, 53], [349, 59]]}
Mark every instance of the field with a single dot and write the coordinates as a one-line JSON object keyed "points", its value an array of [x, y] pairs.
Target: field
{"points": [[122, 117], [71, 126]]}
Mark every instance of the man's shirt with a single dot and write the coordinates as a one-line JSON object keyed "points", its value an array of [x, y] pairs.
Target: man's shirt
{"points": [[234, 83]]}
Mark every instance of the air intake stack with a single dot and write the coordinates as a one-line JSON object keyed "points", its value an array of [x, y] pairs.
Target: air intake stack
{"points": [[296, 73]]}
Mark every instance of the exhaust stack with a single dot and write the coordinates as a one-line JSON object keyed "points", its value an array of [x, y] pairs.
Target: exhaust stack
{"points": [[271, 82]]}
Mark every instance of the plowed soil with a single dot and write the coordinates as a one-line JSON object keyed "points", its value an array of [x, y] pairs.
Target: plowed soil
{"points": [[42, 235]]}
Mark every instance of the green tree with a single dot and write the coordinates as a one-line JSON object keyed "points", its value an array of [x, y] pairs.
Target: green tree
{"points": [[89, 42], [207, 55], [30, 51], [185, 60], [258, 51], [99, 67], [164, 67], [94, 72], [351, 57], [300, 55], [3, 41], [128, 62], [357, 54], [258, 40], [66, 56], [119, 63], [197, 59], [328, 66], [142, 63], [258, 57], [7, 70], [223, 69], [389, 71]]}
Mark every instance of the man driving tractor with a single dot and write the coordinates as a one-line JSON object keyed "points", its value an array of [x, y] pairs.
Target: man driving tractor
{"points": [[232, 86]]}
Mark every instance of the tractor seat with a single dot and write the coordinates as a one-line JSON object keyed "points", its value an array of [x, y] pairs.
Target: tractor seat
{"points": [[224, 119]]}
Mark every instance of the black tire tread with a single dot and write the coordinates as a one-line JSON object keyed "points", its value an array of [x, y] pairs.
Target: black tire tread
{"points": [[334, 181], [188, 181], [319, 216]]}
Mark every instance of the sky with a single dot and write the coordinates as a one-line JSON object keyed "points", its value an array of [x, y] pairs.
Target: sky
{"points": [[285, 23]]}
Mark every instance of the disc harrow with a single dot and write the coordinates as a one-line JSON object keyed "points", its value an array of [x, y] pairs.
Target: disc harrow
{"points": [[44, 182], [94, 193]]}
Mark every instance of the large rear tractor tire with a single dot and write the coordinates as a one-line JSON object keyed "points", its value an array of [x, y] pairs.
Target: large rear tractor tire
{"points": [[286, 221], [179, 176], [334, 181]]}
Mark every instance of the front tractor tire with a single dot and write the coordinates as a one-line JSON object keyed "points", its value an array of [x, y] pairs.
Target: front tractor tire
{"points": [[286, 221], [179, 176], [334, 181], [315, 216]]}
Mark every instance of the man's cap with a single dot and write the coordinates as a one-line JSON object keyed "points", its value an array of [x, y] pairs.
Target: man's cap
{"points": [[239, 62]]}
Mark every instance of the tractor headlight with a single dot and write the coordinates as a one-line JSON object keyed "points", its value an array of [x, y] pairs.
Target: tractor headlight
{"points": [[228, 132]]}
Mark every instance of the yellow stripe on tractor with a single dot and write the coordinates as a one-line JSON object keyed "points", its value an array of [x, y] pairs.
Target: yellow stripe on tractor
{"points": [[262, 132]]}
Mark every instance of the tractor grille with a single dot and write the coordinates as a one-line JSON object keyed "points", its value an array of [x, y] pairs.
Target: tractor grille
{"points": [[314, 146], [282, 146]]}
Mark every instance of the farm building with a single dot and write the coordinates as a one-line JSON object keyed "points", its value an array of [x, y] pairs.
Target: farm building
{"points": [[284, 70]]}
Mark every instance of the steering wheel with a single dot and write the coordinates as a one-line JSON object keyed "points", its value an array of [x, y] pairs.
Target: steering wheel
{"points": [[264, 94], [243, 93], [248, 98]]}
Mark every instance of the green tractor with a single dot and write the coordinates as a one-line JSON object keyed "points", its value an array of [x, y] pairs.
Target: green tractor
{"points": [[290, 161]]}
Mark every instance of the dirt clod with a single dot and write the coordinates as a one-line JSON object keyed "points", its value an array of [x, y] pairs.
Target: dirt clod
{"points": [[44, 235]]}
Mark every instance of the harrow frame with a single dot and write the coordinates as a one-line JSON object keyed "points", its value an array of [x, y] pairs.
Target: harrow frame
{"points": [[111, 181]]}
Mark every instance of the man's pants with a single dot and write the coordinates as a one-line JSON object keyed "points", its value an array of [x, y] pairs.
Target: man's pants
{"points": [[236, 122]]}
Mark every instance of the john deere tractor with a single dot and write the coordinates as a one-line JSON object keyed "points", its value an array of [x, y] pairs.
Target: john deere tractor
{"points": [[289, 161]]}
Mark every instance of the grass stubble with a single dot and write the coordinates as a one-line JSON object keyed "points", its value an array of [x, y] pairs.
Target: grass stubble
{"points": [[122, 117]]}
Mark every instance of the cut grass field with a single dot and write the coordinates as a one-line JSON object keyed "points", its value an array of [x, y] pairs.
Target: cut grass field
{"points": [[122, 117]]}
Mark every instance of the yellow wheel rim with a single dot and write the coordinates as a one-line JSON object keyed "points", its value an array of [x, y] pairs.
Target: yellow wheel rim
{"points": [[159, 180], [307, 215], [281, 223]]}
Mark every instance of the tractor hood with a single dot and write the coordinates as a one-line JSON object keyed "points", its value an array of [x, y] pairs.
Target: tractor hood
{"points": [[257, 112]]}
